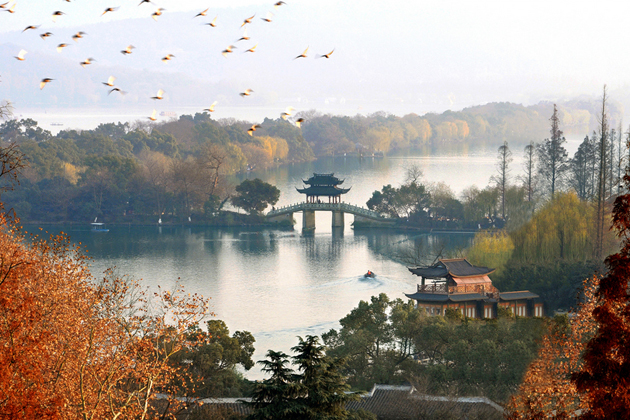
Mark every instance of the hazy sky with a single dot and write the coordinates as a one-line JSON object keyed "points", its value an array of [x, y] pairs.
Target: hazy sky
{"points": [[450, 54]]}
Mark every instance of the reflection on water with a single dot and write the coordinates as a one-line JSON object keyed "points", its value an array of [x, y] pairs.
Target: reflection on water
{"points": [[277, 284]]}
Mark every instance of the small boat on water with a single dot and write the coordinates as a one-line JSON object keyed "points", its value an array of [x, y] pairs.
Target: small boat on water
{"points": [[369, 275], [99, 227]]}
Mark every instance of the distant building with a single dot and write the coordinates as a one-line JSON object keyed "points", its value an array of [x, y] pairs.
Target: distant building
{"points": [[457, 284]]}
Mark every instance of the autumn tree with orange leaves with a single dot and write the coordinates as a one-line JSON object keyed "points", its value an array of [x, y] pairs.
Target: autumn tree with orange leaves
{"points": [[597, 382], [72, 347], [547, 390], [604, 378]]}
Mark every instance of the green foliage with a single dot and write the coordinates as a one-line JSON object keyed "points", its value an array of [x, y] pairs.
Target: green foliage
{"points": [[255, 195], [318, 392], [409, 201], [20, 130], [391, 342], [556, 282], [212, 361], [561, 230], [376, 338], [491, 249]]}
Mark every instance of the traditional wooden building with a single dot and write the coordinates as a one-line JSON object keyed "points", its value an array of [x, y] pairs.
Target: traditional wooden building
{"points": [[457, 284], [323, 185]]}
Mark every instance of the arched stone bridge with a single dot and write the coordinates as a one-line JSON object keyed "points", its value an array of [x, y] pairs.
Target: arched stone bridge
{"points": [[362, 216]]}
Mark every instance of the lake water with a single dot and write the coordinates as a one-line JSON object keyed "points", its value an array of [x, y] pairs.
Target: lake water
{"points": [[283, 284]]}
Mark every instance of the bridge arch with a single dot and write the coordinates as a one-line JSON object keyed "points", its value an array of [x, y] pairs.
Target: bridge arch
{"points": [[338, 210]]}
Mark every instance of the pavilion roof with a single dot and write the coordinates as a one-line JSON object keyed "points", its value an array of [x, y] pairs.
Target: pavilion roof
{"points": [[323, 179]]}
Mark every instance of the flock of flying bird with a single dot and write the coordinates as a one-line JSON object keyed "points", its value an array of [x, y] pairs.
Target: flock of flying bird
{"points": [[129, 50]]}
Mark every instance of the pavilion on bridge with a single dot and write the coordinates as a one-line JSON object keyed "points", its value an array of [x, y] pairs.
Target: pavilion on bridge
{"points": [[457, 284], [323, 185]]}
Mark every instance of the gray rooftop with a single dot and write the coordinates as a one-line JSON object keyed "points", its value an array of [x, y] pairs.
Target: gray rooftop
{"points": [[525, 294], [457, 267]]}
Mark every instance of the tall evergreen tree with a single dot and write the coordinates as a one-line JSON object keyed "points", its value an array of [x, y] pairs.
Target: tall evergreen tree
{"points": [[553, 156], [324, 388], [504, 158], [620, 157], [530, 165], [276, 397], [581, 168], [319, 392], [601, 182]]}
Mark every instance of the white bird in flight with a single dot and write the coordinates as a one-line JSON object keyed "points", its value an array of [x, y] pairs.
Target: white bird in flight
{"points": [[87, 62], [287, 113], [159, 95], [227, 51], [110, 81], [61, 47], [248, 20], [128, 49], [110, 9], [214, 22], [157, 13], [43, 82], [303, 55], [20, 55], [55, 14], [201, 13], [211, 108], [326, 55]]}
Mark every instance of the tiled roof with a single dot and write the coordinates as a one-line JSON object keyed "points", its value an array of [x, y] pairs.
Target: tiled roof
{"points": [[403, 402], [525, 294], [390, 402], [323, 179], [459, 267], [428, 297]]}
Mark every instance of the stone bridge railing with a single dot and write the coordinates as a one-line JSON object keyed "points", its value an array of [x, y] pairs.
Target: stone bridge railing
{"points": [[345, 207]]}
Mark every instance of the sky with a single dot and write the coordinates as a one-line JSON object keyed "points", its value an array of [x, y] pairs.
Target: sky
{"points": [[396, 56]]}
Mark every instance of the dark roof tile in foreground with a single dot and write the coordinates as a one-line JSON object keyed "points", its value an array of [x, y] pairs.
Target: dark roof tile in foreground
{"points": [[388, 402], [403, 402]]}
